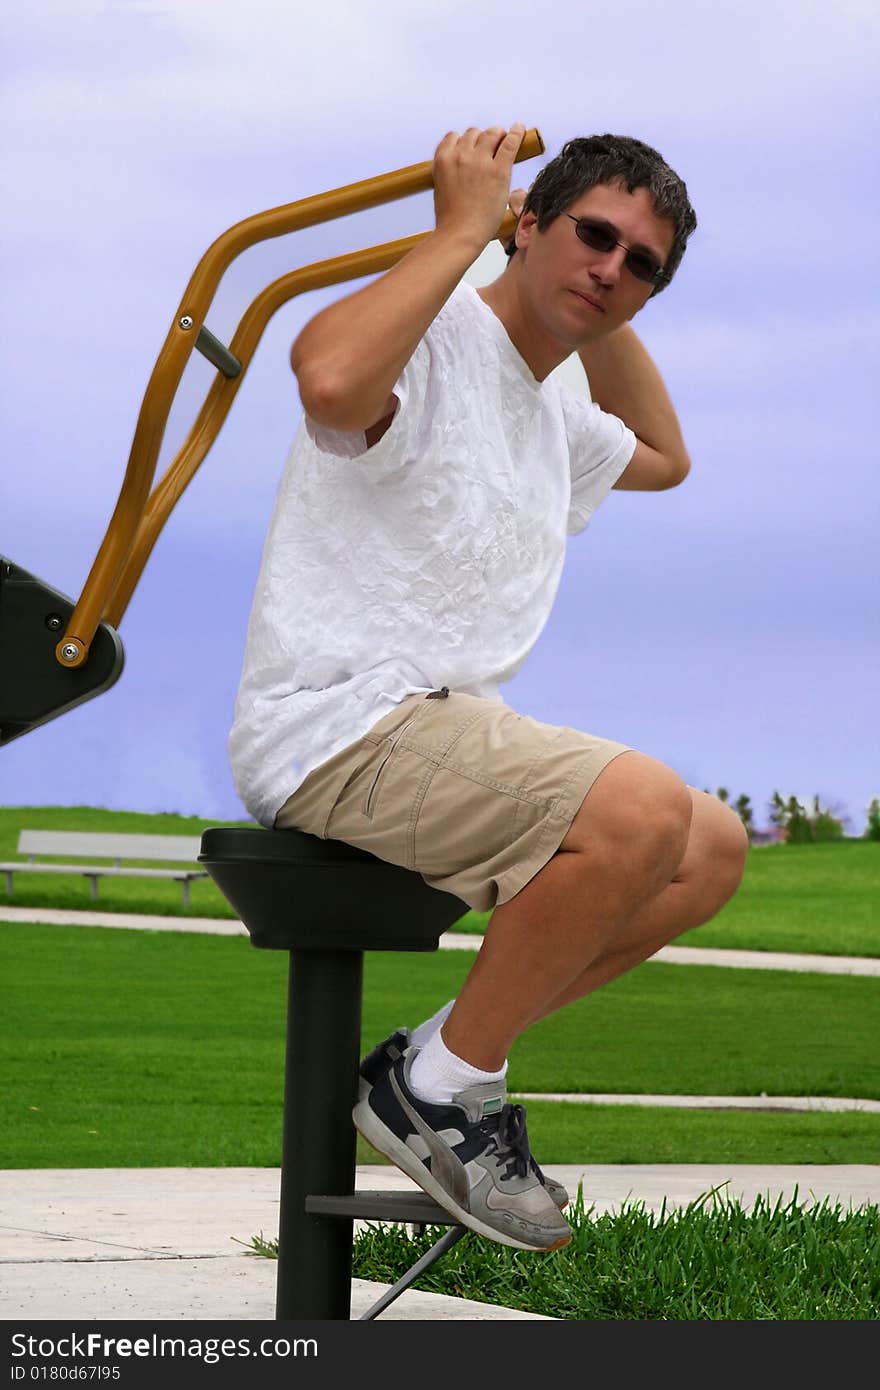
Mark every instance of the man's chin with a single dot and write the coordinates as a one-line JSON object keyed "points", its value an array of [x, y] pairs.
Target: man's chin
{"points": [[595, 330]]}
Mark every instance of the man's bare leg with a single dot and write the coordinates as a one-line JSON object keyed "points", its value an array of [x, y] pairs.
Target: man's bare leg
{"points": [[707, 878], [592, 908]]}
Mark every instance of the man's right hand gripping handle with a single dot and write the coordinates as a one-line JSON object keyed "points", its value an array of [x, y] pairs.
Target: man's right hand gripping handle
{"points": [[348, 357]]}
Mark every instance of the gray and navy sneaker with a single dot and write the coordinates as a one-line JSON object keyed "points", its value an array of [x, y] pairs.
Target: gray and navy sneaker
{"points": [[377, 1062], [472, 1156]]}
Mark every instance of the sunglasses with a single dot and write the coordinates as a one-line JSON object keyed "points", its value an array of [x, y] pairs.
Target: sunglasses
{"points": [[601, 236]]}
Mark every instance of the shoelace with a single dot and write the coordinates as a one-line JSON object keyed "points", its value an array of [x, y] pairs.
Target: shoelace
{"points": [[537, 1172], [513, 1141]]}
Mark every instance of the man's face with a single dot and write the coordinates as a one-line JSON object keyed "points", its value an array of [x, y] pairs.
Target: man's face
{"points": [[559, 269]]}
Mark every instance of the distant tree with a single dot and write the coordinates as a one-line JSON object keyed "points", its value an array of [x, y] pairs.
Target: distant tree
{"points": [[872, 829], [826, 826], [802, 826], [790, 816]]}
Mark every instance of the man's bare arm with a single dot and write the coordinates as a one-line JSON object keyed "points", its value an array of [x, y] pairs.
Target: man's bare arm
{"points": [[349, 356], [624, 381]]}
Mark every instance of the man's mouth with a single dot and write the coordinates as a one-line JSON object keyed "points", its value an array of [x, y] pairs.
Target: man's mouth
{"points": [[588, 299]]}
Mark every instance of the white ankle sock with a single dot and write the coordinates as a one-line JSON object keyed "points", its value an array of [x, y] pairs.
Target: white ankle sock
{"points": [[421, 1034], [437, 1074]]}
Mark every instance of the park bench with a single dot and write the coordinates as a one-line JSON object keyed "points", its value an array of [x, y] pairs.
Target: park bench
{"points": [[167, 849]]}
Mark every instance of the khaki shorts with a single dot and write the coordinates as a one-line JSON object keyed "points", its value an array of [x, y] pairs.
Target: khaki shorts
{"points": [[471, 795]]}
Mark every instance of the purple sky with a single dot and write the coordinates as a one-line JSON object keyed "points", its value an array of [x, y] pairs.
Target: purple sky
{"points": [[728, 627]]}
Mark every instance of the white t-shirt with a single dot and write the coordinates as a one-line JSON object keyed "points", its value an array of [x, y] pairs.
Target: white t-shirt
{"points": [[432, 558]]}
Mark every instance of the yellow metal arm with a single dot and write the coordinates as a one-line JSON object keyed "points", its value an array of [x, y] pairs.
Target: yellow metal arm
{"points": [[140, 515]]}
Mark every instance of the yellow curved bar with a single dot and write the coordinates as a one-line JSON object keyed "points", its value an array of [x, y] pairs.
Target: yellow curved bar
{"points": [[209, 422], [131, 532]]}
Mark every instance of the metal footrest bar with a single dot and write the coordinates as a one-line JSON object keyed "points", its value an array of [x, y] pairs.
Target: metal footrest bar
{"points": [[408, 1208]]}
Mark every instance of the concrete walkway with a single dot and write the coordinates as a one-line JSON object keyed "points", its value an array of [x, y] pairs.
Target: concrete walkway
{"points": [[449, 941], [171, 1244]]}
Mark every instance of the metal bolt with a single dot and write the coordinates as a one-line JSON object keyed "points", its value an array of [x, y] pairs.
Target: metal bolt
{"points": [[53, 622], [186, 321], [70, 651]]}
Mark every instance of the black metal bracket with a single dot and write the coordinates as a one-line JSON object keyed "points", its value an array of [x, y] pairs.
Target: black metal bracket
{"points": [[35, 687], [217, 353], [406, 1208]]}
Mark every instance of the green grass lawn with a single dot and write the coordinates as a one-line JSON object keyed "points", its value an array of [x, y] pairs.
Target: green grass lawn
{"points": [[129, 1048], [709, 1261], [822, 898], [713, 1260], [792, 896], [799, 1260]]}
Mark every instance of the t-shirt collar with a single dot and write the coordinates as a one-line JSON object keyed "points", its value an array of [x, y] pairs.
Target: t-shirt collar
{"points": [[512, 353]]}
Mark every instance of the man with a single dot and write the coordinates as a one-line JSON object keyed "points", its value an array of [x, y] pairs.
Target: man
{"points": [[413, 558]]}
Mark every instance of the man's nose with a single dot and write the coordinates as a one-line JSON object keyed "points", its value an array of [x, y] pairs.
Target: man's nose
{"points": [[608, 265]]}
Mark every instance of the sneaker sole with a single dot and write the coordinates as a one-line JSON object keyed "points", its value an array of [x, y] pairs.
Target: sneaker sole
{"points": [[386, 1142]]}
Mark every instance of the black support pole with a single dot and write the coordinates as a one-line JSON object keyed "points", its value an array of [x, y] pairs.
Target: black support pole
{"points": [[318, 1149]]}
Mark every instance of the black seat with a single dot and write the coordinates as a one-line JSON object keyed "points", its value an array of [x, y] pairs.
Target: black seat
{"points": [[326, 903], [294, 891]]}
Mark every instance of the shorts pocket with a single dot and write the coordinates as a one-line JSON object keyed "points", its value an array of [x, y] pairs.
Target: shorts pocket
{"points": [[369, 805]]}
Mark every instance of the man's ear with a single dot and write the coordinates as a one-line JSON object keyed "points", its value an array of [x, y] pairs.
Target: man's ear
{"points": [[526, 229]]}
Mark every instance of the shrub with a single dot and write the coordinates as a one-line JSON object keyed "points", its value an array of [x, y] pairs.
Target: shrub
{"points": [[805, 827]]}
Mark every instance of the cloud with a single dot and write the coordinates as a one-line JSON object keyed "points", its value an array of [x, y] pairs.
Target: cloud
{"points": [[255, 71]]}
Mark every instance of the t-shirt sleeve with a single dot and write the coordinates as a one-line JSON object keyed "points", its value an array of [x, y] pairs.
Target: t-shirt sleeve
{"points": [[396, 448], [600, 446]]}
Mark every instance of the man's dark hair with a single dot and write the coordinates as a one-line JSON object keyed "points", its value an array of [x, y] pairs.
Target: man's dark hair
{"points": [[616, 159]]}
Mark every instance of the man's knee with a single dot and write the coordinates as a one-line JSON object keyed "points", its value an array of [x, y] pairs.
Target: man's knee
{"points": [[722, 841], [635, 802], [718, 846]]}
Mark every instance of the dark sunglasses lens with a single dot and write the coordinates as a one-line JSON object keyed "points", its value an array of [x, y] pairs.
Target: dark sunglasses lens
{"points": [[596, 235], [600, 238], [642, 267]]}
